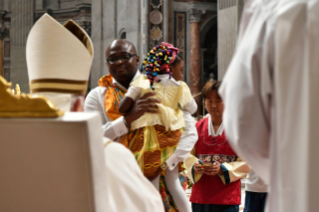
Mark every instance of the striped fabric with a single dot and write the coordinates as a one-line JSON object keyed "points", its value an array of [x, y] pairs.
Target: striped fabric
{"points": [[58, 86], [152, 146]]}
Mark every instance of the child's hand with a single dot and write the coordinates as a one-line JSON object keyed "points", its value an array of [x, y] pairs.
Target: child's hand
{"points": [[199, 168], [214, 169]]}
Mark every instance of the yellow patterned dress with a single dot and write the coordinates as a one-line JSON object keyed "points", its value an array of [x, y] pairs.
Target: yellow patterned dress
{"points": [[112, 100], [157, 135]]}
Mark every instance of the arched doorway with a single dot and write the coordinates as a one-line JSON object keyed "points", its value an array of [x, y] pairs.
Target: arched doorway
{"points": [[123, 35], [209, 45]]}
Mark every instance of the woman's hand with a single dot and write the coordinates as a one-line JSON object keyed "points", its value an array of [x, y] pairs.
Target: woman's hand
{"points": [[199, 168]]}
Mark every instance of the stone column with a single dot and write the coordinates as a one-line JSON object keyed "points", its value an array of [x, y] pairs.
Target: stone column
{"points": [[229, 13], [133, 23], [168, 20], [195, 56], [21, 22], [38, 4], [4, 32], [1, 57], [103, 33], [7, 5]]}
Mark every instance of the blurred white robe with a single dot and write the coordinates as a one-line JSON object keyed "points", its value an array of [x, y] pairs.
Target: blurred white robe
{"points": [[128, 189], [271, 96]]}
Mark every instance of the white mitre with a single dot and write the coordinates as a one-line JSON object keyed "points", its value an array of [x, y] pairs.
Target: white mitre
{"points": [[59, 59]]}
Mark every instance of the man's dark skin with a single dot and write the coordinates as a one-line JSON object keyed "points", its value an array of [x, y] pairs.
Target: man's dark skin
{"points": [[124, 72]]}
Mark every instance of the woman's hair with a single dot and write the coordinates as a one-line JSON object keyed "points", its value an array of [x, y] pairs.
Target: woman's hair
{"points": [[158, 59], [209, 86]]}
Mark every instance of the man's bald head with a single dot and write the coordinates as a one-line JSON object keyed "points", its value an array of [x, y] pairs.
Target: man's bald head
{"points": [[122, 61], [120, 46]]}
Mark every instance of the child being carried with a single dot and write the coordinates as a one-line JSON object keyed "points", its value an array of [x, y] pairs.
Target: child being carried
{"points": [[161, 132]]}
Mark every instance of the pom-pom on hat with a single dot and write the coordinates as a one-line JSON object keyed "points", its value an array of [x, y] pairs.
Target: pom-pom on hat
{"points": [[158, 59]]}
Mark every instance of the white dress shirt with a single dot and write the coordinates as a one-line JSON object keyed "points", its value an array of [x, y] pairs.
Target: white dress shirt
{"points": [[271, 100], [94, 102], [211, 130], [254, 183]]}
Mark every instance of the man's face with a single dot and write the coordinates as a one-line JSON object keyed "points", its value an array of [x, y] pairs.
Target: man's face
{"points": [[122, 61]]}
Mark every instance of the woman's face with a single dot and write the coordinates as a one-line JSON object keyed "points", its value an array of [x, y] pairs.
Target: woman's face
{"points": [[178, 70], [214, 105]]}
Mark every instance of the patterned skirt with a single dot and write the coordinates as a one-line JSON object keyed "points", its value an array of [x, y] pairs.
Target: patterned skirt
{"points": [[152, 146]]}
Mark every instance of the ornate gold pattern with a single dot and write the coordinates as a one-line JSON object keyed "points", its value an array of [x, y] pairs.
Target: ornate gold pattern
{"points": [[17, 90], [156, 33], [24, 105]]}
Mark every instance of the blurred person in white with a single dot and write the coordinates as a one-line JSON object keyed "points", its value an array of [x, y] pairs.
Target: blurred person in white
{"points": [[271, 100], [59, 59]]}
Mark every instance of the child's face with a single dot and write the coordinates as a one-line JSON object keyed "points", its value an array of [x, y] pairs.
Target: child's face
{"points": [[214, 105], [178, 70]]}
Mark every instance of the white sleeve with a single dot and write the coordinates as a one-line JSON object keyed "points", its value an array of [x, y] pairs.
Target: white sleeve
{"points": [[94, 102], [186, 143], [128, 189], [246, 92], [191, 106], [133, 92]]}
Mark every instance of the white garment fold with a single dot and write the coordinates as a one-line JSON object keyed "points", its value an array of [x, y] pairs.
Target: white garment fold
{"points": [[128, 189]]}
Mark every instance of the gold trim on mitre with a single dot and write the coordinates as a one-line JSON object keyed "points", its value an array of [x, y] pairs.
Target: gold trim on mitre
{"points": [[58, 52], [24, 105], [58, 86]]}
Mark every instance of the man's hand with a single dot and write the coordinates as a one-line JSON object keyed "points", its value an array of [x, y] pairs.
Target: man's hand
{"points": [[142, 105]]}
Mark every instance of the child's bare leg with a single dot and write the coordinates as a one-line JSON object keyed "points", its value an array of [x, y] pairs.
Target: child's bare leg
{"points": [[175, 189], [155, 182]]}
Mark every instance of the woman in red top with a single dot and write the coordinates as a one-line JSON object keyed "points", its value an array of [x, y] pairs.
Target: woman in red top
{"points": [[214, 167]]}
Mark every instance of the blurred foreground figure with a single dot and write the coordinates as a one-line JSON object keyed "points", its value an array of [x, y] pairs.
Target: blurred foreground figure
{"points": [[60, 164], [271, 100]]}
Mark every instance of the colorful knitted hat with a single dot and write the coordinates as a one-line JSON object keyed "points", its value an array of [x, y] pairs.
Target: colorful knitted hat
{"points": [[158, 59]]}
